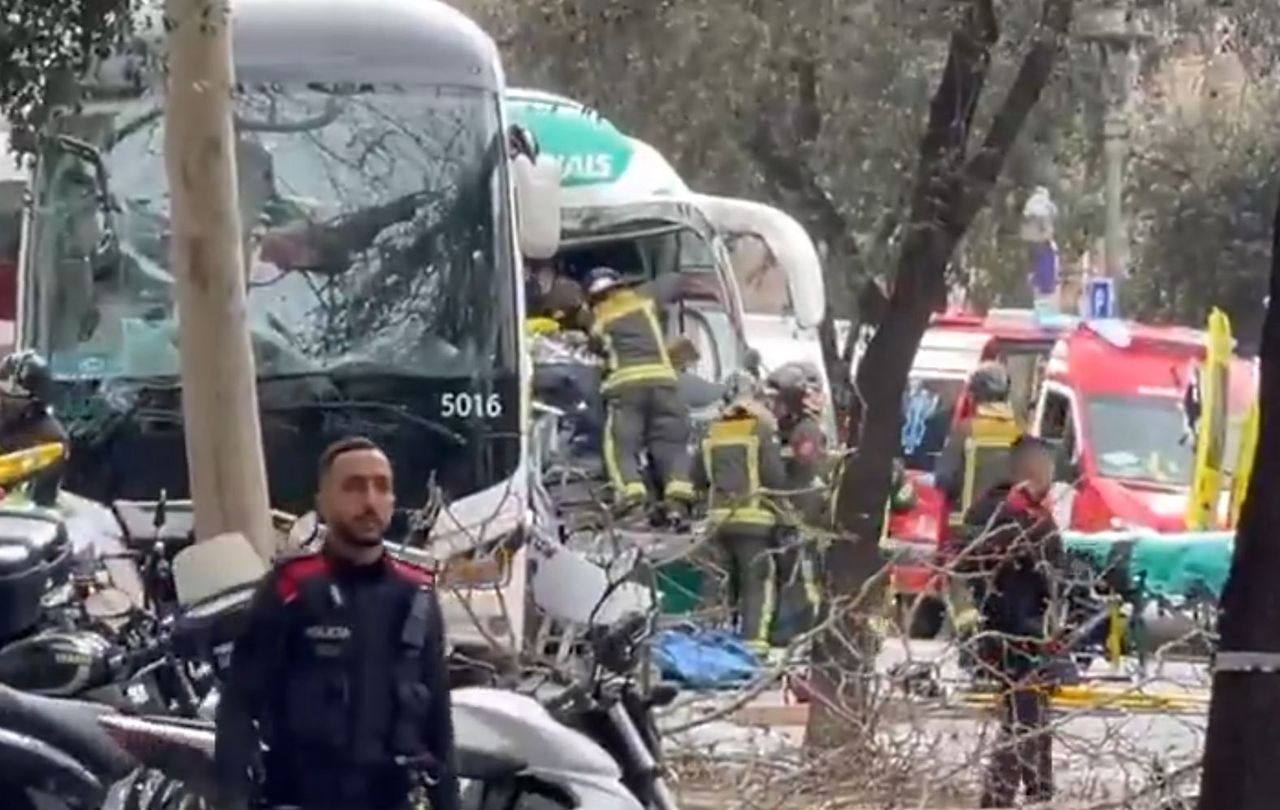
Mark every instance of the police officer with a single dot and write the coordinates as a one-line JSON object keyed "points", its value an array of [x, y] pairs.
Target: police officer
{"points": [[644, 409], [740, 458], [26, 420], [341, 672], [1014, 555]]}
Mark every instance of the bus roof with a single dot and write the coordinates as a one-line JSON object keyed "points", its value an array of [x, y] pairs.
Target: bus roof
{"points": [[409, 42]]}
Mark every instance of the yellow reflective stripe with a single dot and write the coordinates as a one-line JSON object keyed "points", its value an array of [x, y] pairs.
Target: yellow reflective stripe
{"points": [[621, 487], [753, 515], [678, 488], [810, 580], [645, 372], [737, 433], [651, 314], [766, 610], [619, 305], [729, 431], [970, 474]]}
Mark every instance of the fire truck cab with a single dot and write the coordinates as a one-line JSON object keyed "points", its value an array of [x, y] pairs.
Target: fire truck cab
{"points": [[1114, 401]]}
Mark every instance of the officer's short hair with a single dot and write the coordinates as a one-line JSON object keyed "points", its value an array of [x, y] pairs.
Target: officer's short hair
{"points": [[349, 444]]}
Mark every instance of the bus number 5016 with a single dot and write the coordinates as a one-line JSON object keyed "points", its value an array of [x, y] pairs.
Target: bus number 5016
{"points": [[462, 405]]}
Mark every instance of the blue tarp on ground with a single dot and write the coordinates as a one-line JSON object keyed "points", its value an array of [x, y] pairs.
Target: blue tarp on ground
{"points": [[1188, 565], [705, 659]]}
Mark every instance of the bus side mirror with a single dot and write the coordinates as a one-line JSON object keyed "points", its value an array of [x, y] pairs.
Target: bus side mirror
{"points": [[537, 187]]}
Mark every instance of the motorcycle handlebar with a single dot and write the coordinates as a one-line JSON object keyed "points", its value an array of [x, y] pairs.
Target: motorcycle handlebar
{"points": [[124, 664]]}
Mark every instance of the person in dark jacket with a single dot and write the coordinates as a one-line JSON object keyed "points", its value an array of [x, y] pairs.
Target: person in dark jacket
{"points": [[1013, 556], [738, 460], [26, 420], [644, 411], [341, 672]]}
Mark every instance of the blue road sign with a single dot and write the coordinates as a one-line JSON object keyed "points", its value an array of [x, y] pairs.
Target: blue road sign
{"points": [[1102, 298]]}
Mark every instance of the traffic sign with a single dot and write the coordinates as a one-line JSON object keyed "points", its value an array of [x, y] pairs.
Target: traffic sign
{"points": [[1101, 299]]}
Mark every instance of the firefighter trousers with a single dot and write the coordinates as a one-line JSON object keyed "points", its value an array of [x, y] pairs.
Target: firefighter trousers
{"points": [[1023, 754], [647, 418], [799, 596], [743, 557]]}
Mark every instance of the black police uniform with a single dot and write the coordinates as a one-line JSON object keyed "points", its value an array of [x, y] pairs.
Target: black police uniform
{"points": [[341, 675], [1013, 551], [645, 411], [739, 457]]}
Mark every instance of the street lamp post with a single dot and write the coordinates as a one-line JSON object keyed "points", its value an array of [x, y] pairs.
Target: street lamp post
{"points": [[1116, 29]]}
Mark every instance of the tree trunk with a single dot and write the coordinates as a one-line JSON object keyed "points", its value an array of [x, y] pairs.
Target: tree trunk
{"points": [[1242, 748], [219, 392], [950, 189]]}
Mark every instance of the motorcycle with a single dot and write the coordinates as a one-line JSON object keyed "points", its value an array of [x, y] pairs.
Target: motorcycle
{"points": [[593, 745], [61, 618], [56, 752]]}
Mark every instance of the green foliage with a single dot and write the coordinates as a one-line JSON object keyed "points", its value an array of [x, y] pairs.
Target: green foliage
{"points": [[1207, 202], [43, 40]]}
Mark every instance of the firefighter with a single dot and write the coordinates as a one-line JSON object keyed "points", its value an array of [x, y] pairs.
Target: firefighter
{"points": [[739, 459], [992, 415], [798, 400], [643, 405]]}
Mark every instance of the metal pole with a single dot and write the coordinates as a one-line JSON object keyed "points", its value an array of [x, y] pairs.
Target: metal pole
{"points": [[1115, 146]]}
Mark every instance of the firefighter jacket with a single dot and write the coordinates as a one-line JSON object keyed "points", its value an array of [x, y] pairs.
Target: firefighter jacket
{"points": [[629, 334], [738, 459], [992, 423], [804, 453]]}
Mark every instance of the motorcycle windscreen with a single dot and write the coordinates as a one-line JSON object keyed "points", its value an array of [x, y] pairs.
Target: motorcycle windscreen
{"points": [[569, 587]]}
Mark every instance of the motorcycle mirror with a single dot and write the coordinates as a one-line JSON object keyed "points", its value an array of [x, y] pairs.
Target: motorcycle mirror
{"points": [[752, 362]]}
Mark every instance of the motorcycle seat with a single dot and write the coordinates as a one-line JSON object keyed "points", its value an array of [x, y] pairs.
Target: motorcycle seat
{"points": [[484, 766], [68, 725]]}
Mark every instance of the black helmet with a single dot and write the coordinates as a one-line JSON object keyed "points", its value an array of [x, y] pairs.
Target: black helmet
{"points": [[601, 280], [25, 375], [990, 383]]}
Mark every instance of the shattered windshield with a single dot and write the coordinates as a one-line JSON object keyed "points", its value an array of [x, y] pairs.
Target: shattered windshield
{"points": [[374, 229]]}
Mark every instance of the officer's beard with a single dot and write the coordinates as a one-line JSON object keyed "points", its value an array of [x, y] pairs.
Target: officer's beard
{"points": [[359, 539]]}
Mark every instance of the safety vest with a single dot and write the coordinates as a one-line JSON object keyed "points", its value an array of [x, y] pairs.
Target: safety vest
{"points": [[627, 324], [993, 430], [731, 457]]}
